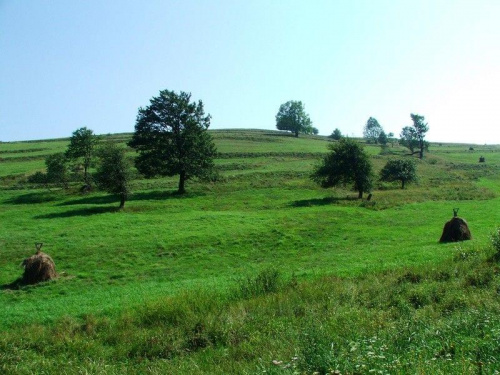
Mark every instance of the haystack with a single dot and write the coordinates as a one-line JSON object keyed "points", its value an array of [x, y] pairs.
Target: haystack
{"points": [[37, 268], [455, 230]]}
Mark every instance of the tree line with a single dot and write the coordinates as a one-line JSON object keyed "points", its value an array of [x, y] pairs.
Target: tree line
{"points": [[171, 139]]}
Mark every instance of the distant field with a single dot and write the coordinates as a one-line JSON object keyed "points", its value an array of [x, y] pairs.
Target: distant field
{"points": [[264, 213]]}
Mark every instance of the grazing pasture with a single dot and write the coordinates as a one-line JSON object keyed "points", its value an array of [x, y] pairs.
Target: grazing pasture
{"points": [[261, 270]]}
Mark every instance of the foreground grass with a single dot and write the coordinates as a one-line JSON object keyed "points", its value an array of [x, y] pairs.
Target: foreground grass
{"points": [[441, 319]]}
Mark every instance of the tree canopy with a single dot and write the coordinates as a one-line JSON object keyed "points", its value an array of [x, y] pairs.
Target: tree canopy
{"points": [[81, 145], [372, 130], [346, 163], [292, 117], [171, 138], [413, 137], [336, 134], [403, 170]]}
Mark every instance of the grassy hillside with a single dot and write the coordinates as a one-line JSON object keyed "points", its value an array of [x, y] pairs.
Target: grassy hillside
{"points": [[263, 217]]}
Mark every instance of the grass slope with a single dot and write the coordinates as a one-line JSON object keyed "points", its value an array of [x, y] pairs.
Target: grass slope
{"points": [[264, 214]]}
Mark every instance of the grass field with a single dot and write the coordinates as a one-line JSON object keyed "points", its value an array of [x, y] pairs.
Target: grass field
{"points": [[261, 266]]}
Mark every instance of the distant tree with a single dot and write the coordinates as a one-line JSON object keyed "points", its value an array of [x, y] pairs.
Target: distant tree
{"points": [[408, 138], [413, 137], [81, 146], [113, 172], [57, 169], [403, 170], [171, 138], [382, 138], [421, 128], [346, 163], [336, 134], [292, 117], [372, 130], [315, 131]]}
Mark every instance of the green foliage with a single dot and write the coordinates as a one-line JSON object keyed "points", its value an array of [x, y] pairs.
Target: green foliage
{"points": [[382, 138], [336, 134], [414, 137], [347, 163], [292, 117], [113, 171], [81, 146], [372, 130], [404, 170], [57, 169], [171, 138]]}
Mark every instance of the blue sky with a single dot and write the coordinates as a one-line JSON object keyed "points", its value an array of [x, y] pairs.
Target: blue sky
{"points": [[68, 64]]}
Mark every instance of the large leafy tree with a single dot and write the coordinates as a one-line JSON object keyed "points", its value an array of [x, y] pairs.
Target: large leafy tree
{"points": [[81, 147], [403, 170], [408, 138], [171, 138], [113, 172], [347, 163], [372, 130], [292, 117]]}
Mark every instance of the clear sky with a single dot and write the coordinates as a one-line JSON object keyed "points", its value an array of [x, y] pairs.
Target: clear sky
{"points": [[67, 64]]}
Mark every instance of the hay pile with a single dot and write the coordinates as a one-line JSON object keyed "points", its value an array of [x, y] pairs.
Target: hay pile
{"points": [[455, 230], [37, 268]]}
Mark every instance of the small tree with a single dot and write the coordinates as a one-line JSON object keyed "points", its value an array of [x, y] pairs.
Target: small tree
{"points": [[346, 163], [315, 131], [292, 117], [403, 170], [382, 138], [390, 138], [372, 130], [82, 144], [113, 172], [57, 169], [421, 128], [414, 137], [171, 137], [336, 134], [408, 138]]}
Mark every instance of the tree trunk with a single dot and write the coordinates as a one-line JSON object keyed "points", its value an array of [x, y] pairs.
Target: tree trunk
{"points": [[182, 180], [296, 134], [403, 184], [360, 195], [421, 153], [122, 201]]}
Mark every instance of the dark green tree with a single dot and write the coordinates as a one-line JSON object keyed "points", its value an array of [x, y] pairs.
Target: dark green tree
{"points": [[292, 117], [113, 171], [171, 137], [403, 170], [382, 138], [346, 163], [315, 131], [81, 147], [57, 169], [336, 134], [372, 130]]}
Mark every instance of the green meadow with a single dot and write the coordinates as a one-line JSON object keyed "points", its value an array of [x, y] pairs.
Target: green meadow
{"points": [[261, 271]]}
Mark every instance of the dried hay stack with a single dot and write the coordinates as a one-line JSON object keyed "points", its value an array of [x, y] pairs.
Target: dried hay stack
{"points": [[455, 230], [37, 268]]}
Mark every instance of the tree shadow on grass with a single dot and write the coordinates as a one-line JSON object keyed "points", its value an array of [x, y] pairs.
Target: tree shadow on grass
{"points": [[30, 198], [320, 201], [79, 212], [145, 196]]}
